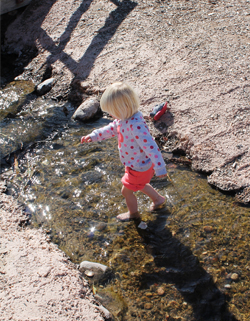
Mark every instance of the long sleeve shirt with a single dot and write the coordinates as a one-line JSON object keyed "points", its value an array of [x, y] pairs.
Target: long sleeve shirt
{"points": [[137, 148]]}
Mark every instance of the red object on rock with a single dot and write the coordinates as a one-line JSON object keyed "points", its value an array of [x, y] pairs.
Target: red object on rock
{"points": [[158, 111]]}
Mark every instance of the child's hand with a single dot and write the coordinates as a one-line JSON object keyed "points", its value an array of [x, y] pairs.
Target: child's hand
{"points": [[86, 139]]}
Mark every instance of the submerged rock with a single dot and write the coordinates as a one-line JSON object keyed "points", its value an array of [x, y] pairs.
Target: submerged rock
{"points": [[99, 273], [89, 109], [208, 229], [235, 276], [87, 265], [89, 273]]}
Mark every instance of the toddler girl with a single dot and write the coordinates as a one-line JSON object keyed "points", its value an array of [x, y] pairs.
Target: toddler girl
{"points": [[138, 151]]}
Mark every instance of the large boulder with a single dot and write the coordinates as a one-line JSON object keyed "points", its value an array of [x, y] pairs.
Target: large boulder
{"points": [[89, 109]]}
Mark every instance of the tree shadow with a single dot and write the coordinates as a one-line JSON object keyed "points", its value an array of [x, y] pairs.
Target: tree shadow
{"points": [[14, 64], [82, 68], [184, 270]]}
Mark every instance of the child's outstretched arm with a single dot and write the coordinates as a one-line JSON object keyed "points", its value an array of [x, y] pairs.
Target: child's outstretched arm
{"points": [[101, 133]]}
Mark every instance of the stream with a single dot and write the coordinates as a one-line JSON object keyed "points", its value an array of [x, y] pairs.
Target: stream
{"points": [[189, 261]]}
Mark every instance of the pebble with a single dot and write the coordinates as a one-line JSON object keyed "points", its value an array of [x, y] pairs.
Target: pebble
{"points": [[160, 291], [101, 226], [234, 277], [89, 273], [92, 265], [208, 229], [143, 225], [148, 306], [45, 86]]}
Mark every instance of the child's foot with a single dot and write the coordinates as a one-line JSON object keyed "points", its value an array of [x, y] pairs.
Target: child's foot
{"points": [[158, 204], [127, 216]]}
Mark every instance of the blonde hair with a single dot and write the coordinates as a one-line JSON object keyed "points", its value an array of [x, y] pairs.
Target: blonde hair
{"points": [[120, 100]]}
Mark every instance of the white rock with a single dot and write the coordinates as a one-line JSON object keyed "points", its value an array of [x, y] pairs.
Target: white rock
{"points": [[87, 265], [45, 86]]}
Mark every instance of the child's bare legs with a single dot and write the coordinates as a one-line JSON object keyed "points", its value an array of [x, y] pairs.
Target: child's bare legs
{"points": [[157, 199], [131, 202]]}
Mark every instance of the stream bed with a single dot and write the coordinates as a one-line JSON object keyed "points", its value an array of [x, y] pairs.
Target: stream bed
{"points": [[189, 261]]}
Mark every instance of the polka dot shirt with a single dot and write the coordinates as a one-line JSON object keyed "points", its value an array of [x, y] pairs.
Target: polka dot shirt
{"points": [[137, 148]]}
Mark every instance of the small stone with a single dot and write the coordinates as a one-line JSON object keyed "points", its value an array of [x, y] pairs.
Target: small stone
{"points": [[208, 229], [234, 276], [173, 303], [89, 273], [148, 294], [45, 86], [101, 226], [148, 306], [160, 291], [87, 265], [44, 271], [227, 286], [142, 225]]}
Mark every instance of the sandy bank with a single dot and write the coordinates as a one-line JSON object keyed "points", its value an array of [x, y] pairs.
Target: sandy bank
{"points": [[37, 280]]}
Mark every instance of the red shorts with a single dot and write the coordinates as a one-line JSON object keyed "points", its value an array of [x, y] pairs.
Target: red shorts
{"points": [[136, 181]]}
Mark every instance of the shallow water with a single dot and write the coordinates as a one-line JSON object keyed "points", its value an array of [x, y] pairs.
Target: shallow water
{"points": [[189, 261]]}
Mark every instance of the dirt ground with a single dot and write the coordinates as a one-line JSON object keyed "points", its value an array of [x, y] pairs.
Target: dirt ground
{"points": [[37, 280], [193, 54]]}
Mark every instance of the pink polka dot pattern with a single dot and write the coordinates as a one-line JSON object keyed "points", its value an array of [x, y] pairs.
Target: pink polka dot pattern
{"points": [[137, 147]]}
